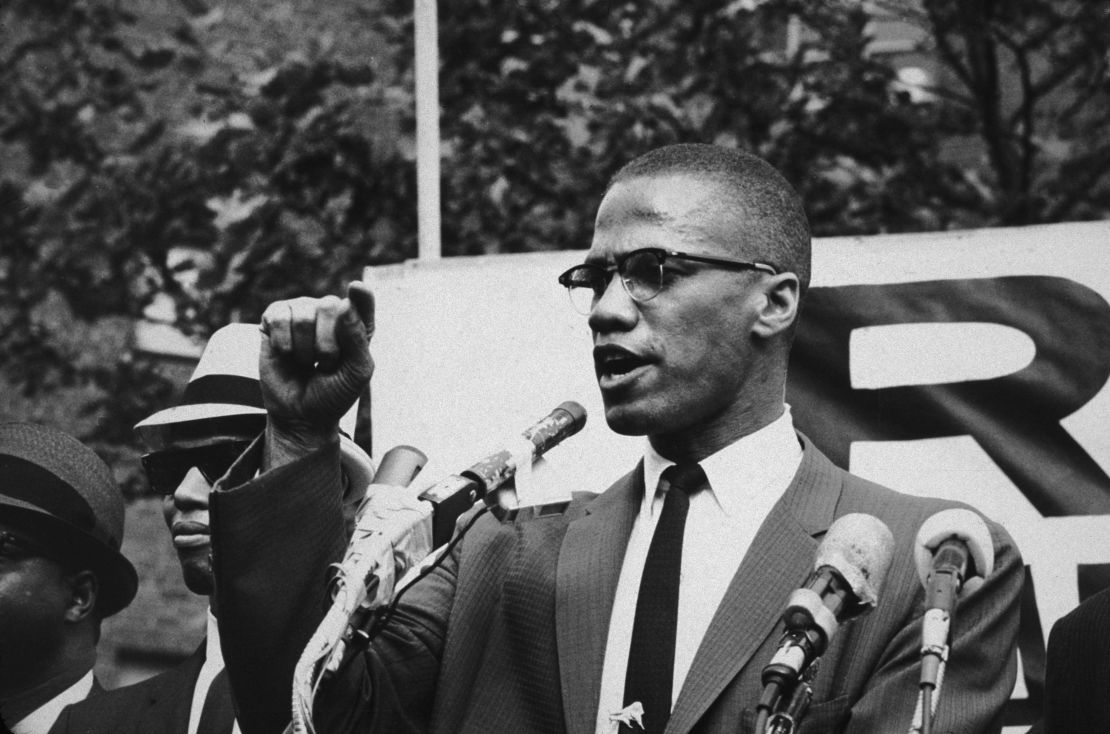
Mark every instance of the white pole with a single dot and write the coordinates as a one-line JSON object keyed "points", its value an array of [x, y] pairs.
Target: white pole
{"points": [[427, 130]]}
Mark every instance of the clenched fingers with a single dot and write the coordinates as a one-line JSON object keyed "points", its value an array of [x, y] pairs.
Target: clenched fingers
{"points": [[303, 329]]}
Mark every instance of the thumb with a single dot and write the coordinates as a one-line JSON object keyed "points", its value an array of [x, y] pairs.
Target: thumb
{"points": [[354, 328], [362, 301]]}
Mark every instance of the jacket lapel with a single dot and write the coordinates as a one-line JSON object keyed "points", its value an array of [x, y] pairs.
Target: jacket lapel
{"points": [[586, 579], [780, 556]]}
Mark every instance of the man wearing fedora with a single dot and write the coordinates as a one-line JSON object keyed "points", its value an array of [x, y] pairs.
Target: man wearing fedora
{"points": [[61, 571], [191, 446]]}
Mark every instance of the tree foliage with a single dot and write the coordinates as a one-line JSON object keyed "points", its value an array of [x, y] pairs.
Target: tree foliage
{"points": [[138, 163]]}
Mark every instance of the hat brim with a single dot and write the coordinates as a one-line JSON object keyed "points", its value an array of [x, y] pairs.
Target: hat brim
{"points": [[197, 412], [118, 581]]}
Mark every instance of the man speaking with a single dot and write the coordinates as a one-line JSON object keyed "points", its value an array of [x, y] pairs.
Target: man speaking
{"points": [[654, 605]]}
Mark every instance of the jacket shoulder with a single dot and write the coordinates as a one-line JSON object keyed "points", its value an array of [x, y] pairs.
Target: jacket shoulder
{"points": [[895, 507], [116, 710]]}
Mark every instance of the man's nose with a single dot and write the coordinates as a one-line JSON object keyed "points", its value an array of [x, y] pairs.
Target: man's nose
{"points": [[192, 492], [614, 310]]}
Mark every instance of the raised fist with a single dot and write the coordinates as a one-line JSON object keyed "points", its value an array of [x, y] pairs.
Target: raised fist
{"points": [[315, 363]]}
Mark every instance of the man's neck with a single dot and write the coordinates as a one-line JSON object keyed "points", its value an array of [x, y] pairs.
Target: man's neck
{"points": [[707, 439]]}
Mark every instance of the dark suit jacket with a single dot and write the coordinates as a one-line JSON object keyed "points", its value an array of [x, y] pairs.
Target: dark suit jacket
{"points": [[158, 704], [95, 690], [1077, 672], [509, 634]]}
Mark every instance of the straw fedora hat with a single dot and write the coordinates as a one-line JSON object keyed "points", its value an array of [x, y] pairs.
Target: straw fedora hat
{"points": [[226, 384]]}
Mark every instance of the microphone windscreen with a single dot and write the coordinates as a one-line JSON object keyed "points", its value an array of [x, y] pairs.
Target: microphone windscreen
{"points": [[957, 522], [577, 413], [860, 548]]}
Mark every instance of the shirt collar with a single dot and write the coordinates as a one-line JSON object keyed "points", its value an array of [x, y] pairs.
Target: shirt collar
{"points": [[213, 655], [743, 470]]}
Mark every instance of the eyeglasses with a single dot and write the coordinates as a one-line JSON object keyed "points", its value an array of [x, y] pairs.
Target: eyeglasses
{"points": [[16, 548], [165, 470], [642, 275]]}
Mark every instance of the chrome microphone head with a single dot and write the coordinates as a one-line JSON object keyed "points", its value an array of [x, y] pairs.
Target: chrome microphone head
{"points": [[955, 523]]}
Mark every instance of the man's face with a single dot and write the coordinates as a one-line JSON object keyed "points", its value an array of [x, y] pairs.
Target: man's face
{"points": [[34, 596], [186, 509], [680, 362]]}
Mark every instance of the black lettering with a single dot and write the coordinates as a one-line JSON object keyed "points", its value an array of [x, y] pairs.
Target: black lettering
{"points": [[1015, 418]]}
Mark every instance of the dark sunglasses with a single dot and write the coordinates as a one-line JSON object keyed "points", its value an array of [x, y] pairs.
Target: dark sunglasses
{"points": [[165, 470]]}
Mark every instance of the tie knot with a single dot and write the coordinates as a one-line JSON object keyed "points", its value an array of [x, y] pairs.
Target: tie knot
{"points": [[687, 478]]}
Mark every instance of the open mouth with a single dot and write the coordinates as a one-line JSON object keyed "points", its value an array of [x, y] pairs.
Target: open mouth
{"points": [[614, 365]]}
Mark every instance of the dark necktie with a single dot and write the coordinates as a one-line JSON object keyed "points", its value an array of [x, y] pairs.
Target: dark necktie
{"points": [[651, 652], [218, 714]]}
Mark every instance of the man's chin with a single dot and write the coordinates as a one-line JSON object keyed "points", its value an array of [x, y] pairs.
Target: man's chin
{"points": [[627, 420], [197, 573]]}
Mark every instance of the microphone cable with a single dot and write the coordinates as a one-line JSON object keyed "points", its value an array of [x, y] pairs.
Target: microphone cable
{"points": [[362, 637]]}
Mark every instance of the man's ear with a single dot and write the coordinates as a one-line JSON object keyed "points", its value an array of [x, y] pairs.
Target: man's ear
{"points": [[779, 310], [83, 590]]}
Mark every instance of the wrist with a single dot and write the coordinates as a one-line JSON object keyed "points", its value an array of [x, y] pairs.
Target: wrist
{"points": [[285, 444]]}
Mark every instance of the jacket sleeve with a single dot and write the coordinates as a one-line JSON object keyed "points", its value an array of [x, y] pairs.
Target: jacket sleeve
{"points": [[982, 666], [390, 687], [273, 536], [1077, 670], [1066, 695], [273, 539]]}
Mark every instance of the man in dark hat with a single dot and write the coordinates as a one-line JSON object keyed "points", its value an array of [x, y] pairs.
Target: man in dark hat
{"points": [[192, 445], [61, 571]]}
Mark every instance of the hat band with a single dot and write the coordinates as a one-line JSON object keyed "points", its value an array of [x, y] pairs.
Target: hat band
{"points": [[231, 389], [30, 483]]}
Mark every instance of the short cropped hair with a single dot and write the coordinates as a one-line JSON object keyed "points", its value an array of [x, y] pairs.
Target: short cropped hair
{"points": [[750, 187]]}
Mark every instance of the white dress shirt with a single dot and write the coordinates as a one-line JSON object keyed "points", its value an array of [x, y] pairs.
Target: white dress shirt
{"points": [[213, 664], [41, 719], [746, 478]]}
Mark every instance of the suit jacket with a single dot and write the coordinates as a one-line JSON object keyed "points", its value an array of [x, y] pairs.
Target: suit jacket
{"points": [[1077, 671], [94, 690], [509, 634], [158, 704]]}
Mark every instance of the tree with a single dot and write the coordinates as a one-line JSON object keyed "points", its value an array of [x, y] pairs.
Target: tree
{"points": [[148, 151], [1031, 81]]}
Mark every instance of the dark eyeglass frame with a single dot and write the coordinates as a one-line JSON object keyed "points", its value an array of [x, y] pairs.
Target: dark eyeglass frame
{"points": [[165, 470], [28, 548], [596, 277]]}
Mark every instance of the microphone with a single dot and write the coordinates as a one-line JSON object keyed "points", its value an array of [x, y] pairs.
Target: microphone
{"points": [[365, 582], [353, 586], [399, 466], [952, 547], [848, 572], [455, 494]]}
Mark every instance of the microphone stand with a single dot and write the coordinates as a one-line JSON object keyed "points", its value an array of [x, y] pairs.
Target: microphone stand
{"points": [[933, 662], [790, 717], [786, 714]]}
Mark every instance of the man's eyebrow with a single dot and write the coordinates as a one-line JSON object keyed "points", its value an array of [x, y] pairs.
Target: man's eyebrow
{"points": [[651, 215], [648, 214]]}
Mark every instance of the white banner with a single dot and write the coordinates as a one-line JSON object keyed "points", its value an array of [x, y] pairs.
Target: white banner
{"points": [[970, 365]]}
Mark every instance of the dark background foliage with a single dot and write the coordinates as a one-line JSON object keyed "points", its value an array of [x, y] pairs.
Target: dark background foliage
{"points": [[189, 161], [210, 159]]}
